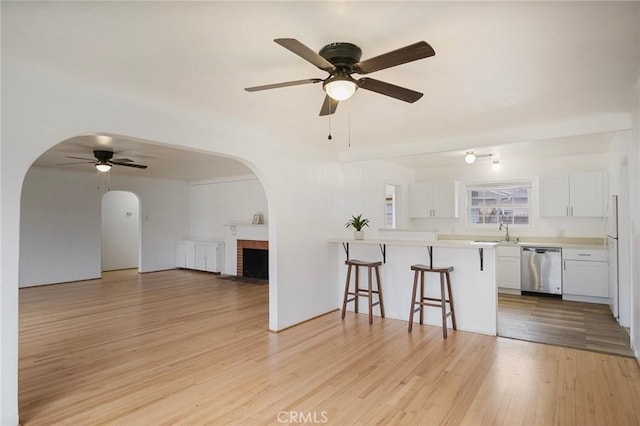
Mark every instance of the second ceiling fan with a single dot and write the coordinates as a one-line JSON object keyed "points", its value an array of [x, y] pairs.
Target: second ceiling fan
{"points": [[341, 60]]}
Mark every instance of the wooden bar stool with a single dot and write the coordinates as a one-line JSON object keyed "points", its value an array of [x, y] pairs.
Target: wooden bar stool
{"points": [[363, 292], [442, 301]]}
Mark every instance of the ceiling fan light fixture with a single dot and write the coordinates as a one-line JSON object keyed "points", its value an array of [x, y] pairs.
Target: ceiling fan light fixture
{"points": [[103, 167], [340, 86], [470, 158]]}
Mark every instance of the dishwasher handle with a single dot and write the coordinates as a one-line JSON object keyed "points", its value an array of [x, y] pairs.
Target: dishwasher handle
{"points": [[541, 250]]}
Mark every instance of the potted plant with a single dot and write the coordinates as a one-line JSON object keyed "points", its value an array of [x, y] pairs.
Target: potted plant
{"points": [[357, 223]]}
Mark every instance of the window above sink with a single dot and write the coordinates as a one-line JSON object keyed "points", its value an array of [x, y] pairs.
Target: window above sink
{"points": [[499, 202]]}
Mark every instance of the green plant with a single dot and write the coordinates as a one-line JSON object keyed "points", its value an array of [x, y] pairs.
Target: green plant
{"points": [[357, 222]]}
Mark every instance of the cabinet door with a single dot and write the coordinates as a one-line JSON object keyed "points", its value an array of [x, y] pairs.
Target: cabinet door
{"points": [[206, 257], [554, 196], [587, 194], [185, 254], [585, 278], [445, 199], [508, 272], [201, 257], [212, 258], [420, 199]]}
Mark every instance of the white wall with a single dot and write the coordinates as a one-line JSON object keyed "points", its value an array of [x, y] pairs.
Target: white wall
{"points": [[214, 204], [364, 192], [634, 201], [41, 110], [517, 169], [120, 230], [61, 228]]}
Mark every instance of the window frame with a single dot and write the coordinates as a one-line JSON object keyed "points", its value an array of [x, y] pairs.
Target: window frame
{"points": [[500, 185]]}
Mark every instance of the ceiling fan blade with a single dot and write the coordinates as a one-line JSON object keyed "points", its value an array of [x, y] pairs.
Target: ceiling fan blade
{"points": [[388, 89], [285, 84], [77, 162], [137, 166], [305, 53], [329, 106], [413, 52], [123, 160], [93, 160]]}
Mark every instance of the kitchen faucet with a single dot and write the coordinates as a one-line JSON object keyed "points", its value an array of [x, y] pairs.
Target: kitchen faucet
{"points": [[506, 227]]}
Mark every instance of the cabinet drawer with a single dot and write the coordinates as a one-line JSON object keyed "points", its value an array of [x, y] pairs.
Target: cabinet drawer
{"points": [[593, 255]]}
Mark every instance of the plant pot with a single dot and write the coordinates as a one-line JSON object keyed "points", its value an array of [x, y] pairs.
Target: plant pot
{"points": [[358, 235]]}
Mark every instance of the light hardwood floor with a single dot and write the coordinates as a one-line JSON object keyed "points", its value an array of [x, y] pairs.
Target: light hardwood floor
{"points": [[182, 347]]}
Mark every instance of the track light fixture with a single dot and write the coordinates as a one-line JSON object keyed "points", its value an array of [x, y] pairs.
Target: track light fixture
{"points": [[471, 157]]}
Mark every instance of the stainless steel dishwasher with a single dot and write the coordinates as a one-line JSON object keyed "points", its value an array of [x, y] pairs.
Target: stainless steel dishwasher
{"points": [[541, 269]]}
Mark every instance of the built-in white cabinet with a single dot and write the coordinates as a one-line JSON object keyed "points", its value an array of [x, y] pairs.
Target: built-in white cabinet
{"points": [[574, 195], [433, 199], [585, 275], [200, 255], [508, 269], [186, 254]]}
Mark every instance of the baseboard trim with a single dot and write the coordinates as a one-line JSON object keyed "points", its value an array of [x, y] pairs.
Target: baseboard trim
{"points": [[301, 322]]}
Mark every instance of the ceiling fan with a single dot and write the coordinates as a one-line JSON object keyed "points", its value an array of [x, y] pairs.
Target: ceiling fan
{"points": [[104, 160], [341, 60]]}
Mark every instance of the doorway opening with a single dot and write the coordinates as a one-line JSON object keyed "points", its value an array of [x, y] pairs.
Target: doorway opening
{"points": [[390, 206], [120, 231]]}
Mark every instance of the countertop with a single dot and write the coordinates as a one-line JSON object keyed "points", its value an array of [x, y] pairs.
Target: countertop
{"points": [[561, 242], [419, 243]]}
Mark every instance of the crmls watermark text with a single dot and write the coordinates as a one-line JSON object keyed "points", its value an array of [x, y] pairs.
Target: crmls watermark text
{"points": [[293, 417]]}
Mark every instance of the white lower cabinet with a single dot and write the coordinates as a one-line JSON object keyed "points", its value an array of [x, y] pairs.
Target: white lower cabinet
{"points": [[508, 269], [585, 276], [200, 255], [186, 254]]}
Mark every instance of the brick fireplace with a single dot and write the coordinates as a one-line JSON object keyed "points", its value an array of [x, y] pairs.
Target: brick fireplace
{"points": [[247, 244]]}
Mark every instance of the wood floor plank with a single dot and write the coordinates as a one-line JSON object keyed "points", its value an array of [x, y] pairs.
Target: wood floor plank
{"points": [[586, 326], [184, 347]]}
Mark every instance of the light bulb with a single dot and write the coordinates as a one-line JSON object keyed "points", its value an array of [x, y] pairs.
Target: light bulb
{"points": [[340, 87], [495, 166], [103, 167], [470, 158]]}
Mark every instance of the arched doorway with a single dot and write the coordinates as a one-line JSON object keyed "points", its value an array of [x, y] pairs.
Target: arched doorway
{"points": [[120, 231]]}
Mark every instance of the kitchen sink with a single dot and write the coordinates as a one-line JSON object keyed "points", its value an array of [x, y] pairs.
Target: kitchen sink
{"points": [[497, 241]]}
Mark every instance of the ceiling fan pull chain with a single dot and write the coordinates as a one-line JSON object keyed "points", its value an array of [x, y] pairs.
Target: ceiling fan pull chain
{"points": [[349, 130], [329, 137]]}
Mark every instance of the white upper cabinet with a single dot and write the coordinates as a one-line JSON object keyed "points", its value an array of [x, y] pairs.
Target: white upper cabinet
{"points": [[574, 195], [428, 199]]}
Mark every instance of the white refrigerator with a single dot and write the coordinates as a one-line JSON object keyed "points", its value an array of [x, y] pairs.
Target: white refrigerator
{"points": [[612, 252]]}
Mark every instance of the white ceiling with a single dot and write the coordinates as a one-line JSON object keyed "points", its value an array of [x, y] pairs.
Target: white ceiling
{"points": [[161, 161], [502, 70]]}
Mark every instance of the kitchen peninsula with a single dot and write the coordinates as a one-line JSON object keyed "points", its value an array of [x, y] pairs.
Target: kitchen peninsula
{"points": [[473, 279]]}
